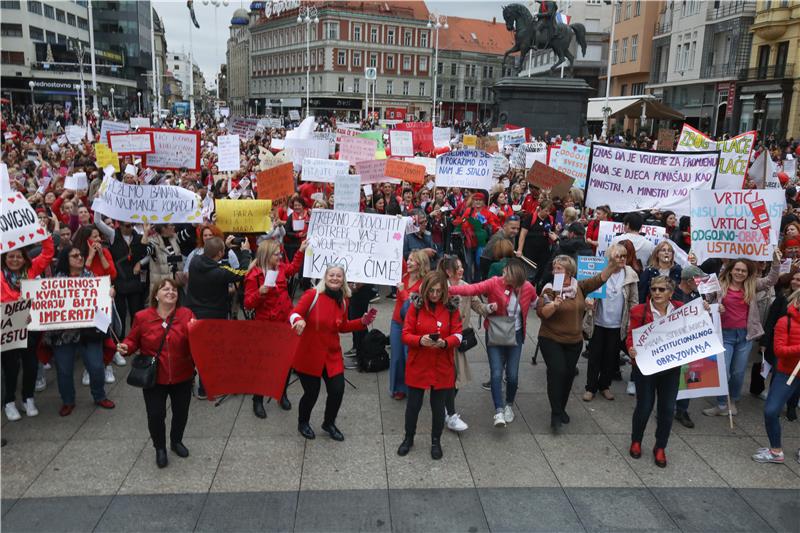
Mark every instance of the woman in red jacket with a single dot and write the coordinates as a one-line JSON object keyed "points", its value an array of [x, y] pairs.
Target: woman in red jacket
{"points": [[165, 321], [787, 352], [271, 301], [432, 332], [17, 266], [319, 353], [98, 259], [664, 384]]}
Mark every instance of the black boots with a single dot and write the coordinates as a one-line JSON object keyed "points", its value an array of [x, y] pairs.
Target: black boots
{"points": [[406, 445], [305, 430], [179, 449], [161, 457], [285, 404], [436, 449], [333, 431], [258, 407]]}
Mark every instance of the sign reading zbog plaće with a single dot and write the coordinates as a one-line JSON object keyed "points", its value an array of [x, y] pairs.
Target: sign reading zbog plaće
{"points": [[276, 182], [734, 154], [174, 149], [19, 225], [131, 143], [686, 334], [635, 180], [66, 303], [15, 324], [469, 169], [158, 204], [369, 246]]}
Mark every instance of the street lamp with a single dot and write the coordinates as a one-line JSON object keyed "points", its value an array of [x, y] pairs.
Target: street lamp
{"points": [[113, 113], [606, 108], [31, 85], [139, 95], [436, 21], [308, 14]]}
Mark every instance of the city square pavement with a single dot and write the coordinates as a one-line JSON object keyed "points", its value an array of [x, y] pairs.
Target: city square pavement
{"points": [[95, 470]]}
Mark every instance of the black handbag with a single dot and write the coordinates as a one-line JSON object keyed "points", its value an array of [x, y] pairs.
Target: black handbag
{"points": [[468, 340], [144, 368]]}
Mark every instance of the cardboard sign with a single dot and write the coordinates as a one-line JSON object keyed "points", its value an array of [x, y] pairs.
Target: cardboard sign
{"points": [[734, 154], [347, 193], [488, 145], [723, 225], [355, 149], [244, 216], [228, 153], [263, 350], [300, 149], [75, 134], [469, 169], [441, 137], [323, 170], [77, 182], [403, 171], [589, 267], [370, 247], [174, 149], [276, 182], [15, 324], [666, 140], [105, 157], [546, 177], [573, 160], [131, 143], [635, 180], [140, 122], [158, 204], [245, 128], [402, 143], [470, 141], [109, 126], [373, 171], [19, 224], [685, 335], [66, 303]]}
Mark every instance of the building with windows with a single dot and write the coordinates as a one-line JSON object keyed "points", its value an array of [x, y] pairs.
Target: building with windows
{"points": [[238, 69], [768, 94], [178, 65], [162, 85], [635, 22]]}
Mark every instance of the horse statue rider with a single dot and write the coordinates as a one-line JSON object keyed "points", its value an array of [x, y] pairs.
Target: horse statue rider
{"points": [[542, 32]]}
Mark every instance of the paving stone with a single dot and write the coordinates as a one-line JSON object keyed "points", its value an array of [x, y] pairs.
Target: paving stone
{"points": [[431, 510], [710, 509], [535, 410], [23, 461], [533, 509], [70, 513], [153, 512], [343, 511], [6, 504], [356, 463], [248, 512], [127, 420], [260, 464], [208, 420], [779, 508], [48, 425], [620, 509], [418, 470], [506, 460], [579, 461]]}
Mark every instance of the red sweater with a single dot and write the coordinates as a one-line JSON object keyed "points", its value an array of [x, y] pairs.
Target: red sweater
{"points": [[497, 292], [275, 305], [787, 341]]}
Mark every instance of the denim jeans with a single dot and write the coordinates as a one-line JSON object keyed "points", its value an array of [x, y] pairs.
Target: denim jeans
{"points": [[397, 363], [737, 352], [507, 357], [92, 354], [779, 394], [664, 385]]}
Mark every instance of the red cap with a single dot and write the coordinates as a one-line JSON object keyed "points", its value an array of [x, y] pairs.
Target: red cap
{"points": [[791, 243], [479, 196], [783, 177]]}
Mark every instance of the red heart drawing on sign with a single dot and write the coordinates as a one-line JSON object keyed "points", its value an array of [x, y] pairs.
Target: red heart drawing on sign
{"points": [[12, 200], [40, 231], [30, 235], [22, 238], [11, 244]]}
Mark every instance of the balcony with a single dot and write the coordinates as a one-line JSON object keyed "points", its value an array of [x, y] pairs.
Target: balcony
{"points": [[658, 77], [728, 9], [772, 72], [663, 26], [724, 70]]}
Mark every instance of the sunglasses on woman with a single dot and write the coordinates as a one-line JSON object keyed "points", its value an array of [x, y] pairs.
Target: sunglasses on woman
{"points": [[658, 289]]}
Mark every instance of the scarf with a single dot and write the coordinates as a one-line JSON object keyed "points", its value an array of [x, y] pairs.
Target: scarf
{"points": [[13, 279], [567, 292], [336, 295]]}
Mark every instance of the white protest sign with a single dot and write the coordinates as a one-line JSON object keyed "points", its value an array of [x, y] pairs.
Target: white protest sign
{"points": [[609, 230], [790, 167], [369, 246], [66, 303], [158, 204], [373, 171], [509, 137], [347, 192], [299, 149], [355, 149], [75, 134], [62, 140], [109, 126], [323, 170], [243, 127], [684, 335], [174, 149], [277, 144], [500, 165], [573, 160], [131, 143], [130, 169], [294, 114], [402, 143], [525, 154], [532, 157], [428, 162], [327, 136], [19, 224], [469, 169], [705, 377], [140, 122], [724, 226], [15, 324], [441, 137], [708, 284], [734, 154], [764, 172], [77, 182], [228, 153], [635, 180]]}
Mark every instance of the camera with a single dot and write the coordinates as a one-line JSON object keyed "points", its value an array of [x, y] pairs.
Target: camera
{"points": [[434, 336], [237, 241], [174, 259]]}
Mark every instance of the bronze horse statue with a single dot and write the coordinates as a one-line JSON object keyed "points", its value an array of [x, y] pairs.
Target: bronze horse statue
{"points": [[529, 35]]}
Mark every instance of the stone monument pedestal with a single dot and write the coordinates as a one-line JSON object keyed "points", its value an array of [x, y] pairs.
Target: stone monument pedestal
{"points": [[557, 105]]}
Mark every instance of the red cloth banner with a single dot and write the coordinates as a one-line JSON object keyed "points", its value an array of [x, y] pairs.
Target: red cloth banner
{"points": [[243, 356], [421, 133]]}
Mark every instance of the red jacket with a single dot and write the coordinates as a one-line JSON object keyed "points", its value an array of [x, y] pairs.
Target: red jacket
{"points": [[428, 367], [402, 296], [319, 348], [97, 266], [175, 363], [497, 292], [38, 265], [640, 315], [787, 340], [275, 305], [471, 212]]}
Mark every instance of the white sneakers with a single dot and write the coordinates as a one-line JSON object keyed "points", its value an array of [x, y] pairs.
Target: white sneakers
{"points": [[508, 414], [503, 417], [631, 390], [454, 423], [29, 406], [119, 360], [721, 411], [85, 379], [110, 374], [11, 412], [41, 384], [499, 420]]}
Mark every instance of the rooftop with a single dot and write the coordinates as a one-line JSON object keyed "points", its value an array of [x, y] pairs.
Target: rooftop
{"points": [[475, 35]]}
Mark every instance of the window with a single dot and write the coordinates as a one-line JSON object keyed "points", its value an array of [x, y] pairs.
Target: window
{"points": [[62, 39], [491, 72], [10, 30], [389, 87], [61, 16], [373, 35], [637, 8], [422, 88], [614, 52], [637, 89], [406, 86], [618, 12], [71, 19], [407, 38], [331, 30], [439, 67], [356, 59], [10, 4], [341, 58], [423, 64], [51, 37], [453, 69], [83, 23], [390, 61], [36, 34], [356, 85], [623, 91], [624, 54], [423, 39], [12, 58], [438, 91], [35, 7], [49, 12], [390, 36], [593, 2], [628, 9], [373, 60], [341, 85], [406, 62], [452, 92], [634, 47], [780, 59], [692, 54]]}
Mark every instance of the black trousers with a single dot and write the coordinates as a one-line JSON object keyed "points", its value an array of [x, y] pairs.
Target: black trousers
{"points": [[561, 360], [604, 349], [359, 304], [128, 304], [664, 385], [311, 385], [155, 400], [414, 404], [450, 402], [484, 265], [260, 398], [12, 360]]}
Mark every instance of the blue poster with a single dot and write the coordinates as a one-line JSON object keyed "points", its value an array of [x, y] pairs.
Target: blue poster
{"points": [[590, 266]]}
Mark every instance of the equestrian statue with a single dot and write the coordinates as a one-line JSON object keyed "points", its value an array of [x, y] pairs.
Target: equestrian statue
{"points": [[541, 32]]}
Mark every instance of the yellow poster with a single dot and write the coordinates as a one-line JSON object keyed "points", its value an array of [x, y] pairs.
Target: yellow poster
{"points": [[106, 157], [470, 140], [244, 216]]}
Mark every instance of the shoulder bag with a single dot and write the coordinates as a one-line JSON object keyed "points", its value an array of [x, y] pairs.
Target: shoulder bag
{"points": [[144, 368], [502, 329]]}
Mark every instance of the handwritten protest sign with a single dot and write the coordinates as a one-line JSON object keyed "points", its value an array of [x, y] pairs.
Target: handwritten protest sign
{"points": [[300, 149], [131, 143], [327, 136], [573, 160], [244, 216], [276, 182], [105, 157], [428, 162], [421, 135], [684, 335], [245, 128], [323, 170], [525, 154], [373, 171], [77, 182], [15, 324], [734, 154], [441, 137], [666, 140], [589, 267], [470, 169], [228, 153], [262, 349], [66, 303], [546, 177], [18, 221], [500, 165], [509, 137], [634, 180], [402, 143], [705, 377], [355, 149], [470, 141], [140, 122], [347, 192], [401, 170], [154, 203], [174, 149], [109, 126], [608, 230], [75, 134], [723, 225], [369, 246], [294, 114]]}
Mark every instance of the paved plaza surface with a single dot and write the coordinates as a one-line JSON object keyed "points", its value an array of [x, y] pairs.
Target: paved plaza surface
{"points": [[95, 470]]}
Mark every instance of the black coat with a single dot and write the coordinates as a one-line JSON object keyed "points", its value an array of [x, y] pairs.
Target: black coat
{"points": [[125, 256], [207, 292]]}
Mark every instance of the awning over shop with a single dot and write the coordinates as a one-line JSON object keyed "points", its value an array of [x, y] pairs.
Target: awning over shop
{"points": [[631, 107]]}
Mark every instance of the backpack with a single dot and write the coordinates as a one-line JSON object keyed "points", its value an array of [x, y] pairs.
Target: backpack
{"points": [[371, 354]]}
